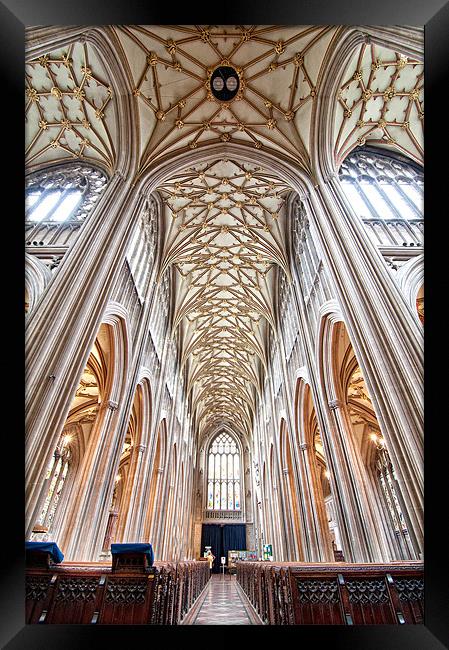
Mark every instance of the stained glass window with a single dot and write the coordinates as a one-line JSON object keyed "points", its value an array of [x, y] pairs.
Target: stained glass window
{"points": [[223, 487]]}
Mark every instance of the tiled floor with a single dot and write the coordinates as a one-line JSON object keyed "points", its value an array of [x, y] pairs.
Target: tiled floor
{"points": [[222, 604]]}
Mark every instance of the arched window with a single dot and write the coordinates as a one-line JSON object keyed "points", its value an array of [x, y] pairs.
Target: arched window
{"points": [[382, 186], [142, 248], [387, 481], [65, 193], [223, 476], [55, 477], [57, 202]]}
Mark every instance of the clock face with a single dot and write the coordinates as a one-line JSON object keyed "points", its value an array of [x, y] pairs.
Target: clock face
{"points": [[231, 83], [224, 83], [218, 84]]}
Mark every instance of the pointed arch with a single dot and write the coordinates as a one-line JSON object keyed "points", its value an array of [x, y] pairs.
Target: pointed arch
{"points": [[117, 317], [411, 281], [355, 429], [224, 469], [85, 427], [37, 277]]}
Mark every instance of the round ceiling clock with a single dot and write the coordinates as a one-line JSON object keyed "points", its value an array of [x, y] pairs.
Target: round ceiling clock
{"points": [[224, 83]]}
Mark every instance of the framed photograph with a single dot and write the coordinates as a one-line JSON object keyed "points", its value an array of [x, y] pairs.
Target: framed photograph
{"points": [[224, 314]]}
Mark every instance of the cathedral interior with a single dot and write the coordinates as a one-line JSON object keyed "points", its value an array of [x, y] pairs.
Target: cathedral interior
{"points": [[224, 296]]}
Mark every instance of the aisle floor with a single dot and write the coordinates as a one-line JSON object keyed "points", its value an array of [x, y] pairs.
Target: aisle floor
{"points": [[223, 604]]}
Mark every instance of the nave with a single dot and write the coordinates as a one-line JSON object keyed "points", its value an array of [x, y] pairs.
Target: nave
{"points": [[224, 227], [223, 603]]}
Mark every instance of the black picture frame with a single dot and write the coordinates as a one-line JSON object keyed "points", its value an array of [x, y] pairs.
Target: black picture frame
{"points": [[14, 16]]}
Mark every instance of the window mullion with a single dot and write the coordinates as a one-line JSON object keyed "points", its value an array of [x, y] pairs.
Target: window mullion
{"points": [[405, 224], [408, 200], [71, 215], [364, 195], [35, 229], [49, 214], [387, 200], [42, 196], [366, 200]]}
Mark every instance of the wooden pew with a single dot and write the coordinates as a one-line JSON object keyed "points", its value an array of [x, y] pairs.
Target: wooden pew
{"points": [[288, 593], [91, 593]]}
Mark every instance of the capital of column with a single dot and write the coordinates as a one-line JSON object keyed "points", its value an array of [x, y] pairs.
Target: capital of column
{"points": [[285, 470], [304, 446], [335, 404], [160, 470], [111, 404], [141, 448]]}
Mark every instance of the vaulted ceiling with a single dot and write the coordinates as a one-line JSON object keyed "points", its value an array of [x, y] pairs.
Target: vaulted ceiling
{"points": [[225, 223], [225, 219], [279, 69], [381, 103], [68, 108], [70, 97]]}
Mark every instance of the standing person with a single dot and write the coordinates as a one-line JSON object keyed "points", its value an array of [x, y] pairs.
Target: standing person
{"points": [[210, 559]]}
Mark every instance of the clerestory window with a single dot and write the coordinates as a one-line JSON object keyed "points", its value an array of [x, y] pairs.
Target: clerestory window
{"points": [[380, 186], [62, 194]]}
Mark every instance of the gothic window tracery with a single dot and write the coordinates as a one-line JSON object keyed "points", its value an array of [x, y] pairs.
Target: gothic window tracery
{"points": [[55, 477], [307, 257], [223, 477], [142, 249], [380, 186], [63, 194], [372, 445], [387, 480], [58, 200]]}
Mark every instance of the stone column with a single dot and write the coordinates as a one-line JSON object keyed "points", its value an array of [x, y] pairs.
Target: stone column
{"points": [[279, 542], [61, 330], [109, 537], [128, 530], [349, 488], [291, 544], [163, 503], [319, 547], [288, 393], [166, 542], [95, 483], [159, 415], [159, 505], [386, 336]]}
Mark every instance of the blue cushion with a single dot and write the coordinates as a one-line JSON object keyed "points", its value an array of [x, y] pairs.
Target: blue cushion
{"points": [[146, 549], [46, 547]]}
